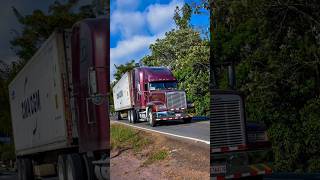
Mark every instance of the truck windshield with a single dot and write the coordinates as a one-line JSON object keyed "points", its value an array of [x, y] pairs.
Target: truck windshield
{"points": [[162, 85]]}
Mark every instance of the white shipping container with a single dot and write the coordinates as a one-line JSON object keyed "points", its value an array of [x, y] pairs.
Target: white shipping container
{"points": [[37, 100], [121, 93]]}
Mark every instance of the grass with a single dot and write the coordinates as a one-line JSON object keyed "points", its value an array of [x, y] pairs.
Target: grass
{"points": [[126, 137], [123, 137], [157, 155]]}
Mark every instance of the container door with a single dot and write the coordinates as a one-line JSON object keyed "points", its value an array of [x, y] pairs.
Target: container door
{"points": [[93, 88]]}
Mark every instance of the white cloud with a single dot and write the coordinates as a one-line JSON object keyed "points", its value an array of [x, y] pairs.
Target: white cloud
{"points": [[127, 23], [159, 16], [129, 49]]}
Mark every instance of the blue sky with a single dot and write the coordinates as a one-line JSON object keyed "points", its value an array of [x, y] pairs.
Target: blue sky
{"points": [[135, 24]]}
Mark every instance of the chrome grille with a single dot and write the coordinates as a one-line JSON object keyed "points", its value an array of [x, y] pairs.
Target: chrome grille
{"points": [[226, 121], [176, 99]]}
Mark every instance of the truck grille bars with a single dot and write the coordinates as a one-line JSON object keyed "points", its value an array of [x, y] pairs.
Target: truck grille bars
{"points": [[176, 100], [227, 129]]}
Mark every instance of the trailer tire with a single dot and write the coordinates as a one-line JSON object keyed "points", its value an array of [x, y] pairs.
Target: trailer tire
{"points": [[151, 119], [62, 167], [25, 169], [75, 168], [89, 167]]}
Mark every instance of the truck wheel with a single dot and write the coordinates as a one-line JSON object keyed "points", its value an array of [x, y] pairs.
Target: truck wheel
{"points": [[75, 170], [129, 116], [151, 119], [25, 171], [61, 167], [89, 167]]}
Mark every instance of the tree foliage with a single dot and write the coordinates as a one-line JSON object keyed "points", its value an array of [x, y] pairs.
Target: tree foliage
{"points": [[123, 68], [275, 45], [38, 26]]}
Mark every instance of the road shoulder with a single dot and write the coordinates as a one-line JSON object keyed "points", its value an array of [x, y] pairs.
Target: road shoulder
{"points": [[183, 159]]}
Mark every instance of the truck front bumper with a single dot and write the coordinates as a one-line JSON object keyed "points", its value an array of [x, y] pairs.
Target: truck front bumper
{"points": [[170, 115]]}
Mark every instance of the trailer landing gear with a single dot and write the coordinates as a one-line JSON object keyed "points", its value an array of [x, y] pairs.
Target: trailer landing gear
{"points": [[132, 116]]}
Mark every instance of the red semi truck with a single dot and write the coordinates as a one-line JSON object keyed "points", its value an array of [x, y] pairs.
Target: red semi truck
{"points": [[59, 105], [149, 93]]}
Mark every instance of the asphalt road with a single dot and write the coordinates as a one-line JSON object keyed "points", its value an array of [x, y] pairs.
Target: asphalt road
{"points": [[197, 130]]}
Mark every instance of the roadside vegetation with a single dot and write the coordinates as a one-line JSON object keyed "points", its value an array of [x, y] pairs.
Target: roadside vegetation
{"points": [[124, 138], [275, 46], [158, 155]]}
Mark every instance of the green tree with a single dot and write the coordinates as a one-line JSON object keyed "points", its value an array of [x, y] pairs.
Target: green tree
{"points": [[275, 45], [122, 69], [38, 26]]}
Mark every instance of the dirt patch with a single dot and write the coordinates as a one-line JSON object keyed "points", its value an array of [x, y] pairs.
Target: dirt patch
{"points": [[163, 157]]}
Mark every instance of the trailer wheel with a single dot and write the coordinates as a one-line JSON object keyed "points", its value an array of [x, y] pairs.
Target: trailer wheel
{"points": [[25, 169], [75, 170], [61, 167], [89, 167], [151, 119]]}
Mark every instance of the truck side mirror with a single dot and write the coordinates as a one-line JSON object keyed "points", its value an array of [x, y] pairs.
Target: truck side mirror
{"points": [[92, 81]]}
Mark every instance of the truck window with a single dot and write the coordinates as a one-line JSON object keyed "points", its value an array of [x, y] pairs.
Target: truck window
{"points": [[163, 85]]}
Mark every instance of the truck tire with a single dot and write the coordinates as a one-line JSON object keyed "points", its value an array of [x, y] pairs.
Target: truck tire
{"points": [[89, 167], [25, 169], [151, 119], [75, 168], [61, 167]]}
